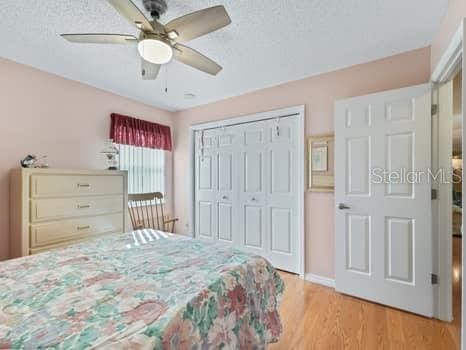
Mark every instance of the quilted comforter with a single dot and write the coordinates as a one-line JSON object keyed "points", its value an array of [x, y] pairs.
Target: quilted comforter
{"points": [[141, 290]]}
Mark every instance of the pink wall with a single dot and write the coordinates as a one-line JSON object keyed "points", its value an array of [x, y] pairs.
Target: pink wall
{"points": [[450, 23], [44, 114], [318, 94]]}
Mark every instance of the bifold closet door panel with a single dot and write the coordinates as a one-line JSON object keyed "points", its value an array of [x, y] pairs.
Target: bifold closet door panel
{"points": [[282, 193], [217, 184], [227, 192], [206, 184], [252, 188]]}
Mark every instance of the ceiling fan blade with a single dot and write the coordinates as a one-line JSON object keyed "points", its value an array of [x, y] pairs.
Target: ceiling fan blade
{"points": [[131, 12], [199, 23], [195, 59], [149, 71], [99, 38]]}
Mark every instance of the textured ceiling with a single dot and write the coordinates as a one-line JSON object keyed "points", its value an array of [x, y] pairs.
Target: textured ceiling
{"points": [[268, 43]]}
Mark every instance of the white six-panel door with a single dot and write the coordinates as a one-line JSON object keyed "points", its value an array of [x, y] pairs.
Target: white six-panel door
{"points": [[383, 233], [247, 188]]}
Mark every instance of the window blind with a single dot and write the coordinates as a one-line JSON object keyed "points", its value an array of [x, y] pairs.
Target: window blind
{"points": [[146, 168]]}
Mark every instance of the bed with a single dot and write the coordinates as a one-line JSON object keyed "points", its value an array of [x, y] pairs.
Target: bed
{"points": [[141, 290]]}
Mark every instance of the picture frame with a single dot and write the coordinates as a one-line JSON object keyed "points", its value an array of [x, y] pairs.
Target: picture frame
{"points": [[320, 163]]}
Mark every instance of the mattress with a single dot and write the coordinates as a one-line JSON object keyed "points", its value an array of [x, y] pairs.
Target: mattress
{"points": [[141, 290]]}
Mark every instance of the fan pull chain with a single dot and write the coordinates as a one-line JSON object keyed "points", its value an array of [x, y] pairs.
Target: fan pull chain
{"points": [[166, 79]]}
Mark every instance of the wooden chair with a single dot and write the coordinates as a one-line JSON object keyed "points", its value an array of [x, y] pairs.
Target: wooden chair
{"points": [[146, 211]]}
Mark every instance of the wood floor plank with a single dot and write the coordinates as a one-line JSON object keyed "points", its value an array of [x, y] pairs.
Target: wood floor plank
{"points": [[317, 317]]}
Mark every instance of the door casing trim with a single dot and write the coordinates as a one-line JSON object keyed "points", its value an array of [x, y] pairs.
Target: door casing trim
{"points": [[451, 59]]}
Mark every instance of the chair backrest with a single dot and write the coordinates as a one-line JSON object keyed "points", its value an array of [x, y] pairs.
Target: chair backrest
{"points": [[146, 210]]}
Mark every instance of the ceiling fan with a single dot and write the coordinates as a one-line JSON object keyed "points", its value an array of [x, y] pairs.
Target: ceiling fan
{"points": [[157, 43]]}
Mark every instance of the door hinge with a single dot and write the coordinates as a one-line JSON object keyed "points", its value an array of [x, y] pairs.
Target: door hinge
{"points": [[434, 109], [433, 193], [433, 278]]}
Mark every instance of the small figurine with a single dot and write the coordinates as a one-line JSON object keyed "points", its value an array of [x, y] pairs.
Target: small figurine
{"points": [[32, 161], [29, 161]]}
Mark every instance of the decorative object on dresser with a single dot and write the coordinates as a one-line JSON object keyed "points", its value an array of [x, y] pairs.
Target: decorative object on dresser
{"points": [[320, 163], [56, 207], [111, 154], [31, 161], [146, 211]]}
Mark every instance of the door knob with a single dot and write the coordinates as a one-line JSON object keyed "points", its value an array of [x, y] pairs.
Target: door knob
{"points": [[343, 206], [224, 198]]}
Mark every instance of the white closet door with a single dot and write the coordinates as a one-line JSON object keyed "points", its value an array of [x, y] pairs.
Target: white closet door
{"points": [[206, 184], [247, 188], [227, 194], [216, 184], [282, 196], [252, 187]]}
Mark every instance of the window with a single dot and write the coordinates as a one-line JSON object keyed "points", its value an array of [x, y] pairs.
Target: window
{"points": [[146, 168]]}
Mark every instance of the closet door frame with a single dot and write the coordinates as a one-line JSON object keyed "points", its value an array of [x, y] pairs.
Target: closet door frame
{"points": [[279, 113]]}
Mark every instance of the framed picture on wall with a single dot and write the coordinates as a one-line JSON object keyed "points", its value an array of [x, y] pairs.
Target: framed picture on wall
{"points": [[320, 163]]}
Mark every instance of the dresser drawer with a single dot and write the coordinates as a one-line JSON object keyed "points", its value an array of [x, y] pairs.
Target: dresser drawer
{"points": [[62, 208], [75, 185], [75, 229]]}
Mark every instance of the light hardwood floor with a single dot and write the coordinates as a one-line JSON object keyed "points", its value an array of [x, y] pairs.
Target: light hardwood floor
{"points": [[316, 317]]}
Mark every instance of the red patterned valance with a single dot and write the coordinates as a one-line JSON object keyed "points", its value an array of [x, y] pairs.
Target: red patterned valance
{"points": [[136, 132]]}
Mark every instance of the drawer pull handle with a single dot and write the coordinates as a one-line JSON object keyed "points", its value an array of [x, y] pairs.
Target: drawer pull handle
{"points": [[87, 206], [84, 185], [84, 227]]}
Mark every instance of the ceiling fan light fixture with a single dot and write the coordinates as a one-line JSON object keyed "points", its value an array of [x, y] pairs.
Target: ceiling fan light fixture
{"points": [[157, 43], [155, 51]]}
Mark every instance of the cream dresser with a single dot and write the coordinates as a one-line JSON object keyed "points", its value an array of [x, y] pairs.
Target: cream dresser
{"points": [[55, 207]]}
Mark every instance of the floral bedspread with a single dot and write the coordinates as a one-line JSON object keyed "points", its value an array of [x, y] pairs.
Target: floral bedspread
{"points": [[141, 290]]}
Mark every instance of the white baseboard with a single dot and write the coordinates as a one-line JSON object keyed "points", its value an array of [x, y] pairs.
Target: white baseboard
{"points": [[325, 281]]}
